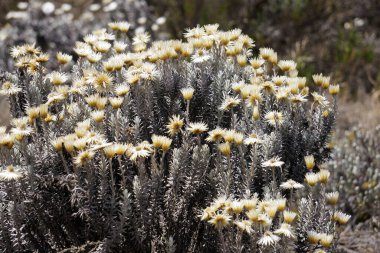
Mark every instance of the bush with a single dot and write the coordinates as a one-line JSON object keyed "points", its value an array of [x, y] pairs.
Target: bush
{"points": [[123, 151]]}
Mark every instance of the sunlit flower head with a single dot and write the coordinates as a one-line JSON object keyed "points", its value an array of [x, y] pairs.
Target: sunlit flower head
{"points": [[332, 198], [341, 217], [10, 174], [273, 162], [197, 127], [229, 103], [311, 179], [9, 89], [274, 118], [268, 239], [175, 125], [285, 230], [220, 221]]}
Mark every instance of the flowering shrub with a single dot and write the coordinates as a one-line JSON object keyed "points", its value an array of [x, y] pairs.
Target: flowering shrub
{"points": [[56, 27], [355, 166], [140, 143]]}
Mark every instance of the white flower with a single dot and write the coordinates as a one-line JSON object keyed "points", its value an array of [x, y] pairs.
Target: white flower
{"points": [[286, 230], [291, 184], [273, 162], [200, 56], [274, 118], [268, 239]]}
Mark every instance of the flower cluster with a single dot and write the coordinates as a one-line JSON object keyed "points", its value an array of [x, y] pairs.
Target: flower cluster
{"points": [[55, 27], [279, 224], [127, 145]]}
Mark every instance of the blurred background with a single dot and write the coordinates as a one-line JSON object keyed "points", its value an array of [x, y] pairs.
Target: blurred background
{"points": [[336, 38]]}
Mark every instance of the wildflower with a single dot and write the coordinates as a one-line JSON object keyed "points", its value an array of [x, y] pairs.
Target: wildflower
{"points": [[323, 175], [252, 140], [319, 99], [267, 53], [92, 100], [220, 220], [221, 202], [175, 125], [196, 32], [322, 81], [9, 89], [289, 216], [273, 162], [341, 217], [285, 230], [279, 80], [274, 118], [311, 179], [10, 174], [57, 78], [120, 26], [313, 237], [215, 135], [244, 225], [20, 133], [326, 239], [122, 90], [280, 204], [236, 207], [161, 142], [119, 46], [249, 204], [18, 51], [84, 157], [142, 150], [101, 46], [197, 128], [109, 151], [309, 161], [7, 140], [102, 81], [256, 63], [63, 58], [116, 102], [298, 98], [211, 29], [287, 65], [98, 116], [58, 144], [268, 239], [334, 89], [264, 219], [268, 86], [229, 103], [94, 57], [82, 49], [241, 60], [332, 198], [208, 213], [291, 184], [271, 210], [253, 215], [225, 148], [113, 64], [200, 56], [187, 93]]}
